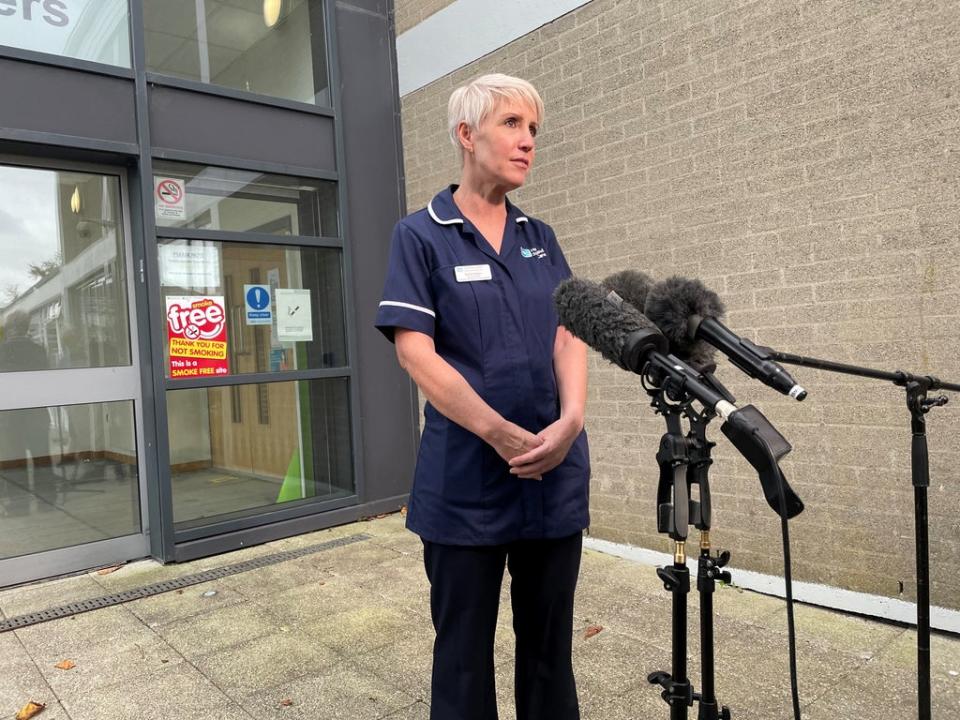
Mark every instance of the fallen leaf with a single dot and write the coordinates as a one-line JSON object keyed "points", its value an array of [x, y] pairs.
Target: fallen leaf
{"points": [[30, 710], [65, 665], [287, 702], [108, 570], [591, 631], [381, 516], [403, 510]]}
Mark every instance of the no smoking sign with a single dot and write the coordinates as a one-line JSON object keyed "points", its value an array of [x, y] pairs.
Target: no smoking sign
{"points": [[169, 198]]}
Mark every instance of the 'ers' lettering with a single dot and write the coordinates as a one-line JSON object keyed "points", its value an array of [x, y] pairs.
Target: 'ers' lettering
{"points": [[55, 11]]}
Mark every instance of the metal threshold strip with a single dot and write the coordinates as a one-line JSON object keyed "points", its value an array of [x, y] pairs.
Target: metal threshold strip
{"points": [[22, 621]]}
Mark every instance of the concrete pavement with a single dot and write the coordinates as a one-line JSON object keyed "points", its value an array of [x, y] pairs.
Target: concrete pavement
{"points": [[345, 634]]}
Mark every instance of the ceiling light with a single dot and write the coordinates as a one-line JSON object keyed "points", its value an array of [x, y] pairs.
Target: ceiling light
{"points": [[271, 12]]}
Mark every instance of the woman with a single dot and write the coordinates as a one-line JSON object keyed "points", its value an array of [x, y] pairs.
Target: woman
{"points": [[502, 472]]}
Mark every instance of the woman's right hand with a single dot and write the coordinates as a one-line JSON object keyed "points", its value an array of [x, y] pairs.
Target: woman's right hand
{"points": [[511, 440]]}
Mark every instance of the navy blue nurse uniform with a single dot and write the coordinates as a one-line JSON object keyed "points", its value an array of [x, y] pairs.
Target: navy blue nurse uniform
{"points": [[491, 317]]}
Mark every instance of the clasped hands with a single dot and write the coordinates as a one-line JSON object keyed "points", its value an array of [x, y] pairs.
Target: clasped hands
{"points": [[531, 455]]}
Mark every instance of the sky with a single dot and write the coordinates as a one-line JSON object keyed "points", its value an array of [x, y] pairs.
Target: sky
{"points": [[28, 224]]}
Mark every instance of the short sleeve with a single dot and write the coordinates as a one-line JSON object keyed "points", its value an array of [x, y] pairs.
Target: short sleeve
{"points": [[556, 254], [407, 301]]}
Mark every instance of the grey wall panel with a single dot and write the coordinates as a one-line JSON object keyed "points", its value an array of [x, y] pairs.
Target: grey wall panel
{"points": [[214, 125], [47, 99], [370, 113]]}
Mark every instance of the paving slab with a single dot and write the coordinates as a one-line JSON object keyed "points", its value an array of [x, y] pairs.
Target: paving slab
{"points": [[51, 594], [78, 636], [266, 661], [345, 633], [311, 602], [216, 631], [118, 660], [180, 691], [21, 680], [417, 711], [185, 603], [345, 693]]}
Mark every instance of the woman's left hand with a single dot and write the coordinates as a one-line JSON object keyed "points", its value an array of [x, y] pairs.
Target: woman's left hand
{"points": [[557, 439]]}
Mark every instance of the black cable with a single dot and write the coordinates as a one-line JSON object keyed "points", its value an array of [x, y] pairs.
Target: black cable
{"points": [[791, 631], [788, 581]]}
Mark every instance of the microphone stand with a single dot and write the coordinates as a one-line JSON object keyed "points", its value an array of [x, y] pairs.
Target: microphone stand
{"points": [[919, 405], [684, 461]]}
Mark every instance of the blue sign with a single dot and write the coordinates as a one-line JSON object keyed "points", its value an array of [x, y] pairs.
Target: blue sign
{"points": [[256, 299]]}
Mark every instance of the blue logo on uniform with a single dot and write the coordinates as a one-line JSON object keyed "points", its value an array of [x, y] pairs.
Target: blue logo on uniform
{"points": [[533, 252]]}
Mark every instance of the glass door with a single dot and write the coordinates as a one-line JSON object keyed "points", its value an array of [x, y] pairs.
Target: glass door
{"points": [[71, 480]]}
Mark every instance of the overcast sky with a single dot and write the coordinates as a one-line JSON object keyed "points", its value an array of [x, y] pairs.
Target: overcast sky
{"points": [[28, 224]]}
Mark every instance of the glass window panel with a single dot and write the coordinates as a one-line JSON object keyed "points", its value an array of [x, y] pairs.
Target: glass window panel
{"points": [[68, 475], [94, 30], [63, 291], [215, 198], [282, 307], [269, 47], [223, 467]]}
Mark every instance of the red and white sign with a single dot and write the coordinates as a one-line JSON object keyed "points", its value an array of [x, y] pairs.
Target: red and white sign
{"points": [[197, 336], [170, 198]]}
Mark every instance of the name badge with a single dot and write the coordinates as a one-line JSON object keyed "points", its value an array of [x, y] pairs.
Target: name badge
{"points": [[472, 273]]}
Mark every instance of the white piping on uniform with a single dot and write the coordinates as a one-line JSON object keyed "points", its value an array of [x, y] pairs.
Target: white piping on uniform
{"points": [[523, 218], [394, 303], [454, 221]]}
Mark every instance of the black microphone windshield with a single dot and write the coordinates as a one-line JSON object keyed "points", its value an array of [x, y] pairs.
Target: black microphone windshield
{"points": [[671, 304], [605, 324], [632, 285]]}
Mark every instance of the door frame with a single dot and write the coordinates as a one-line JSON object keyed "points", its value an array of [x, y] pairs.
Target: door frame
{"points": [[44, 388]]}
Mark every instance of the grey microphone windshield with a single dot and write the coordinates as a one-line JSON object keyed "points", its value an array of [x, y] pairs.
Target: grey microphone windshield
{"points": [[671, 304], [619, 332], [689, 315], [632, 285]]}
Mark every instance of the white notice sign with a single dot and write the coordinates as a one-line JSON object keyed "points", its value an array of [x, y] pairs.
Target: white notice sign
{"points": [[169, 198], [187, 264], [294, 319]]}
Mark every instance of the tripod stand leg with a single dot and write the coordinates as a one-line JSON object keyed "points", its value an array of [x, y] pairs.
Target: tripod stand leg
{"points": [[920, 471], [677, 690], [923, 604], [708, 573]]}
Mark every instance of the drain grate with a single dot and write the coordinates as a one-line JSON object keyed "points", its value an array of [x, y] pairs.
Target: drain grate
{"points": [[22, 621]]}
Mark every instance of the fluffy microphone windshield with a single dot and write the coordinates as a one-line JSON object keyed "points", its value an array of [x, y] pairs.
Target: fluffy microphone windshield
{"points": [[583, 308], [671, 304], [632, 285]]}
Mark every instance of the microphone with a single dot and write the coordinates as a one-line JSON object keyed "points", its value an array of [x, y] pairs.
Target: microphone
{"points": [[688, 313], [634, 287], [627, 338], [603, 322]]}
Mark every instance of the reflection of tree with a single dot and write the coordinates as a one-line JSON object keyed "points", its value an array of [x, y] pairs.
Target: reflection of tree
{"points": [[46, 269], [11, 293]]}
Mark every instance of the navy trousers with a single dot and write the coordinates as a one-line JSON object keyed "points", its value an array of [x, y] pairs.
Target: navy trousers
{"points": [[464, 601]]}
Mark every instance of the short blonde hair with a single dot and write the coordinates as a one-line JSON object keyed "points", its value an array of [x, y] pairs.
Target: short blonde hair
{"points": [[472, 102]]}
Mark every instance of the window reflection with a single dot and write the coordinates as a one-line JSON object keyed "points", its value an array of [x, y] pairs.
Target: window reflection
{"points": [[68, 475], [94, 30], [237, 450], [62, 282], [269, 47], [215, 198]]}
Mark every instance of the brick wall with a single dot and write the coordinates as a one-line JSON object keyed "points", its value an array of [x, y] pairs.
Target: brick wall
{"points": [[413, 12], [802, 158]]}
